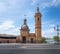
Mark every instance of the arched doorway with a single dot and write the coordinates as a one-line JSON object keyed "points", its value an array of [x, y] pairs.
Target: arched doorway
{"points": [[31, 40], [7, 41], [23, 39]]}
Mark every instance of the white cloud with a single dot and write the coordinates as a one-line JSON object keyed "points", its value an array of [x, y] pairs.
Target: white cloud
{"points": [[8, 27], [48, 29], [48, 32], [33, 2], [12, 3], [52, 25], [54, 3], [7, 4], [47, 3], [30, 14], [14, 31], [32, 28]]}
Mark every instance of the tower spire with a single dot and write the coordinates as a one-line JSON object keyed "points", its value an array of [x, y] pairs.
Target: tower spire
{"points": [[25, 20], [37, 8]]}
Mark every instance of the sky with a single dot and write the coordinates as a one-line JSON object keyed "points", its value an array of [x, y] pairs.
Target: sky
{"points": [[12, 15]]}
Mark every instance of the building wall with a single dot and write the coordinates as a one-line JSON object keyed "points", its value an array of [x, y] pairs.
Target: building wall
{"points": [[35, 37], [7, 40]]}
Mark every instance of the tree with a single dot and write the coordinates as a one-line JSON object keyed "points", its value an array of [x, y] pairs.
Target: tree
{"points": [[56, 38], [43, 40]]}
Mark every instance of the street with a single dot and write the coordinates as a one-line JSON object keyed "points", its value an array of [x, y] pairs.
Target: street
{"points": [[29, 49]]}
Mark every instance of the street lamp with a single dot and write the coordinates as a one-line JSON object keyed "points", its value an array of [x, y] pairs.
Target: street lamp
{"points": [[57, 29]]}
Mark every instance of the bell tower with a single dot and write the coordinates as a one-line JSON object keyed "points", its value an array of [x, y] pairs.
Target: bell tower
{"points": [[38, 25]]}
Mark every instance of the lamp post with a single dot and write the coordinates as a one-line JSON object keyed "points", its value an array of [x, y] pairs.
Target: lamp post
{"points": [[57, 29]]}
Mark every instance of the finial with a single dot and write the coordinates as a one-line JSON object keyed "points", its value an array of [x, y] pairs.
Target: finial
{"points": [[37, 7], [25, 20]]}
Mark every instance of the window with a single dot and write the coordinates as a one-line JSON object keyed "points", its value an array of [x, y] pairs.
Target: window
{"points": [[38, 19]]}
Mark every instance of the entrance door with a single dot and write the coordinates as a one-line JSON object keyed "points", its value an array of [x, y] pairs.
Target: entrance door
{"points": [[31, 40], [7, 41], [23, 39]]}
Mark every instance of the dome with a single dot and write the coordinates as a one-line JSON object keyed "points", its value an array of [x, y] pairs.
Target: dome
{"points": [[24, 27]]}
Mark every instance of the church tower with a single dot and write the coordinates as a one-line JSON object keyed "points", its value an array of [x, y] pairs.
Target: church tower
{"points": [[38, 25]]}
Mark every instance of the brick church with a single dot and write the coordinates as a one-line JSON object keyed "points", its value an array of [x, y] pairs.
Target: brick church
{"points": [[25, 35]]}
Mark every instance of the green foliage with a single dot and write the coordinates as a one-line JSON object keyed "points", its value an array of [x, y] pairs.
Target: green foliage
{"points": [[43, 40], [56, 38]]}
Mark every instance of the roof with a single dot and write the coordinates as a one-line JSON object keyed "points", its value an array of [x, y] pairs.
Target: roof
{"points": [[24, 27], [7, 35]]}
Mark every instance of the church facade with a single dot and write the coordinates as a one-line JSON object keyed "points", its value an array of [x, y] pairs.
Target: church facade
{"points": [[25, 35]]}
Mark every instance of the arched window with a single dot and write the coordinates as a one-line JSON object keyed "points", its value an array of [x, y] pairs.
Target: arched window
{"points": [[38, 19]]}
